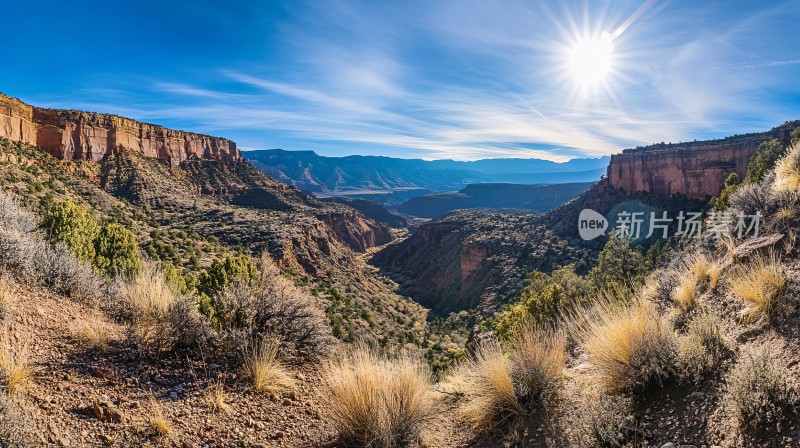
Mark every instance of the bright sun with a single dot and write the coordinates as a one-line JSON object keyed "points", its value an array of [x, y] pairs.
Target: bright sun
{"points": [[590, 60]]}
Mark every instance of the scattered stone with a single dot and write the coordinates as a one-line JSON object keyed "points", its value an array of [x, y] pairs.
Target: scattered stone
{"points": [[106, 411]]}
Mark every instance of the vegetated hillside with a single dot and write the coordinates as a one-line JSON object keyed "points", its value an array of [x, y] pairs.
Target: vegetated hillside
{"points": [[533, 198], [373, 174], [704, 349], [374, 211], [202, 211], [472, 259]]}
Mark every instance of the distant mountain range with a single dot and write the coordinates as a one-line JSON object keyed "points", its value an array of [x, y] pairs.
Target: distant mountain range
{"points": [[391, 181], [531, 198]]}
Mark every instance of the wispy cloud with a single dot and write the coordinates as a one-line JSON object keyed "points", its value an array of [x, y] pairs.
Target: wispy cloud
{"points": [[467, 80]]}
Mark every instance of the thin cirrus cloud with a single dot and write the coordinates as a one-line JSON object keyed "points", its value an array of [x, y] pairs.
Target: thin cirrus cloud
{"points": [[470, 79]]}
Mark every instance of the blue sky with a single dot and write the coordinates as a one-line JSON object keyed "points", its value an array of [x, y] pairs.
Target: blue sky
{"points": [[457, 79]]}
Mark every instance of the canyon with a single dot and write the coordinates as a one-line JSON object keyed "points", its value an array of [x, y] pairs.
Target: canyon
{"points": [[695, 169], [79, 135]]}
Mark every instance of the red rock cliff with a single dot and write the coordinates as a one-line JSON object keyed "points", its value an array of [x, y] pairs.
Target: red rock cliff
{"points": [[78, 135], [696, 169]]}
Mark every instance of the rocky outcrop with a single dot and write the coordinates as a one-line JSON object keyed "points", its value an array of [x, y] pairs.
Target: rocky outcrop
{"points": [[78, 135], [696, 170], [356, 232]]}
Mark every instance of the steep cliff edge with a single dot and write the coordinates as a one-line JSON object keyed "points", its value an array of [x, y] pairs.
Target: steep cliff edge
{"points": [[695, 169], [78, 135]]}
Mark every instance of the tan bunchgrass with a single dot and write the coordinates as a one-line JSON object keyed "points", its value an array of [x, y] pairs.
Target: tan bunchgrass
{"points": [[787, 172], [376, 401], [761, 283], [216, 398], [629, 345], [15, 371], [158, 423], [685, 294], [265, 369], [499, 387], [149, 295], [714, 271], [6, 298], [698, 267], [93, 332]]}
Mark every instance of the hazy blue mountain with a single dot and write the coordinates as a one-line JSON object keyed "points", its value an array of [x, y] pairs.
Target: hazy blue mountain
{"points": [[535, 198], [374, 177]]}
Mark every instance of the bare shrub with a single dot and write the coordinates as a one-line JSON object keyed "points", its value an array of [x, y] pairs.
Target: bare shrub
{"points": [[703, 348], [26, 253], [376, 401], [599, 420], [17, 429], [751, 199], [759, 392], [275, 308]]}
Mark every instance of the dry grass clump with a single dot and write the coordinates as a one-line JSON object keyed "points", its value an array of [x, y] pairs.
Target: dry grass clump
{"points": [[159, 320], [17, 427], [93, 332], [698, 268], [685, 295], [714, 271], [499, 388], [6, 299], [216, 398], [599, 420], [630, 345], [265, 369], [703, 347], [787, 172], [759, 392], [375, 401], [15, 372], [148, 296], [761, 283], [157, 422]]}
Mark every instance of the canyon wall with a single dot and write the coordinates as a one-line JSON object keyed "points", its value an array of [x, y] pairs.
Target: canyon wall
{"points": [[695, 169], [78, 135]]}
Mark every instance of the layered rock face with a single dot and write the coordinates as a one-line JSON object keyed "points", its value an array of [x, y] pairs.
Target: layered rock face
{"points": [[696, 169], [77, 135]]}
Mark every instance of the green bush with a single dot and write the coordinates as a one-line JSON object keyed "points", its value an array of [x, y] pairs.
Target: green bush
{"points": [[542, 299], [223, 273], [73, 225], [619, 266], [722, 202], [174, 277], [116, 250], [764, 160]]}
